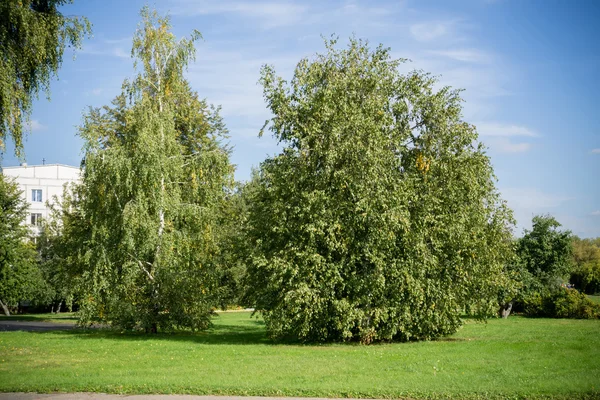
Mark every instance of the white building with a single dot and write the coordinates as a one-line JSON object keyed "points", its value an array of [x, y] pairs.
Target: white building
{"points": [[39, 184]]}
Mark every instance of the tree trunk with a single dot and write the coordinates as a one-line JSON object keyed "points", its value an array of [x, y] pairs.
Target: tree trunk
{"points": [[5, 308], [59, 306], [506, 308]]}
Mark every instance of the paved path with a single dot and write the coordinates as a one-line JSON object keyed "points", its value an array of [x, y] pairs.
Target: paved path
{"points": [[33, 326], [103, 396]]}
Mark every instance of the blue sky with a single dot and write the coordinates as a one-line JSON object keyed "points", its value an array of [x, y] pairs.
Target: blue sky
{"points": [[530, 70]]}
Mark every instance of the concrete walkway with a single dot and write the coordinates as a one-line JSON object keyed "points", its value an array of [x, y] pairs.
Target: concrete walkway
{"points": [[103, 396], [34, 326]]}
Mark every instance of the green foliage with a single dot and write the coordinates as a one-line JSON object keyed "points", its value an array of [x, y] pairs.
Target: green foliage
{"points": [[20, 279], [545, 254], [586, 270], [233, 247], [155, 179], [60, 245], [379, 220], [517, 278], [546, 251], [561, 303], [585, 250], [33, 38], [586, 277]]}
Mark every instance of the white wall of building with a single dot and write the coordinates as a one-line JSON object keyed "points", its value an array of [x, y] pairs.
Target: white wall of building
{"points": [[50, 179]]}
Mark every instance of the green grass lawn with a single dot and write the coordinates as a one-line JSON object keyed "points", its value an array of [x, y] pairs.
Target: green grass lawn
{"points": [[595, 299], [517, 358]]}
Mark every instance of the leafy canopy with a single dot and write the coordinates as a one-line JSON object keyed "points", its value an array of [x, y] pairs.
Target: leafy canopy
{"points": [[379, 220], [586, 265], [156, 172], [20, 279], [33, 38], [546, 251], [59, 247]]}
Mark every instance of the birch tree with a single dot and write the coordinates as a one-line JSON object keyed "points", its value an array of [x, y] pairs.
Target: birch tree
{"points": [[33, 38], [156, 171]]}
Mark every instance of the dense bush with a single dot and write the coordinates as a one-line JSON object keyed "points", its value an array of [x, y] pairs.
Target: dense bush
{"points": [[585, 274], [562, 303], [20, 277], [586, 277]]}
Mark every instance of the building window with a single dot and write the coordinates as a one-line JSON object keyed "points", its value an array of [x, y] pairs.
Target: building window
{"points": [[36, 195], [36, 219]]}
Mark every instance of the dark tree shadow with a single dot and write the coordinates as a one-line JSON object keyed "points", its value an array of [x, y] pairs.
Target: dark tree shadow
{"points": [[34, 318], [250, 332]]}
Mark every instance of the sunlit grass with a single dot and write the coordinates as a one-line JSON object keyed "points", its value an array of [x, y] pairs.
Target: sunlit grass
{"points": [[517, 357], [595, 299]]}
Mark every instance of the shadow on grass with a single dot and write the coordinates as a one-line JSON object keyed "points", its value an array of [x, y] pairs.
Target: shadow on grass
{"points": [[251, 332]]}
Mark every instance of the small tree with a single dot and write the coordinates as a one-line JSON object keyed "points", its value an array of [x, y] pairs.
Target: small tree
{"points": [[59, 246], [156, 174], [33, 38], [233, 246], [20, 279], [586, 265], [379, 220], [546, 252]]}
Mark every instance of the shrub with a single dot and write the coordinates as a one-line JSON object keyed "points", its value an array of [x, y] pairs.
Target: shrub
{"points": [[562, 303], [586, 277]]}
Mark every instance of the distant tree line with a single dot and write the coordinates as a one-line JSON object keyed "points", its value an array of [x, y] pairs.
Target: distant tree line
{"points": [[554, 271], [379, 220]]}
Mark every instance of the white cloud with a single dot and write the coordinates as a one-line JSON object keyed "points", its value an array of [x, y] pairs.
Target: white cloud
{"points": [[481, 81], [465, 55], [596, 213], [501, 137], [527, 202], [504, 145], [103, 50], [125, 40], [478, 82], [271, 14], [230, 79], [436, 30], [531, 199], [504, 130], [595, 151], [426, 32], [34, 125], [119, 52], [97, 91]]}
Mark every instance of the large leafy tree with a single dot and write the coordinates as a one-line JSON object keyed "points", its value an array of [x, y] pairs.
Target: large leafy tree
{"points": [[33, 38], [20, 279], [379, 220], [156, 173]]}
